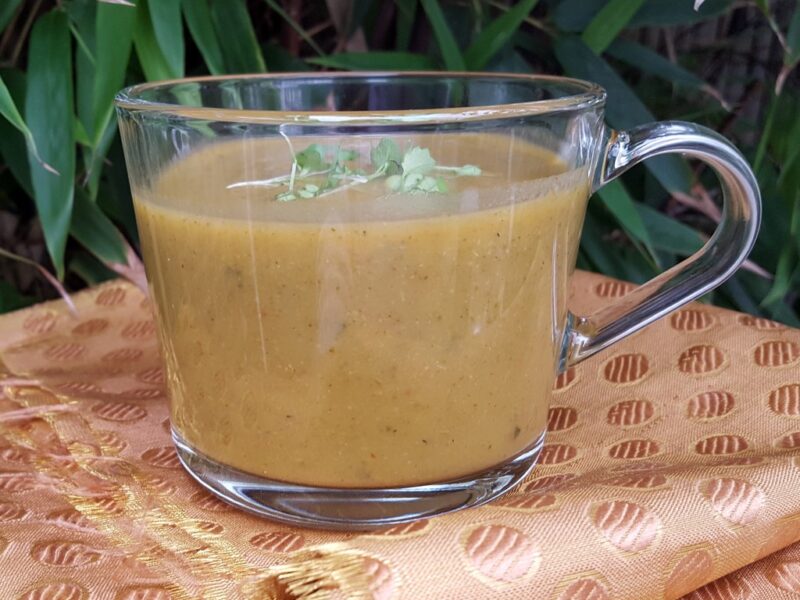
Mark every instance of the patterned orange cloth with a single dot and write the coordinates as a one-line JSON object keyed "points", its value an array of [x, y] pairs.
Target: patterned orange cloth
{"points": [[671, 468]]}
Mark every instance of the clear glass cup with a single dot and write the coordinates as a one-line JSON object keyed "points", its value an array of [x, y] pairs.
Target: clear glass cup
{"points": [[360, 280]]}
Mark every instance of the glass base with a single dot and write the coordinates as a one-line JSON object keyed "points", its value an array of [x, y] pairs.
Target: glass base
{"points": [[353, 508]]}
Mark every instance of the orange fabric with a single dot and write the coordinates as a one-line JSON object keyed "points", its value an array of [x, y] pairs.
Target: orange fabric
{"points": [[672, 461]]}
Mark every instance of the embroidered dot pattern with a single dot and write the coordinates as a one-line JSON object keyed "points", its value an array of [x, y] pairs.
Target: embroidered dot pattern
{"points": [[693, 420]]}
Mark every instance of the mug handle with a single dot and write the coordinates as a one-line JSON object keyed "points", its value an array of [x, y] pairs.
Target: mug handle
{"points": [[703, 271]]}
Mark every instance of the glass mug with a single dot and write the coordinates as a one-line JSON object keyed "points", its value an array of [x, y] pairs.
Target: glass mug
{"points": [[360, 280]]}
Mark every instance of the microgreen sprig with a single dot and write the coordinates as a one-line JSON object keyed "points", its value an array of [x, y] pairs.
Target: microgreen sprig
{"points": [[320, 170]]}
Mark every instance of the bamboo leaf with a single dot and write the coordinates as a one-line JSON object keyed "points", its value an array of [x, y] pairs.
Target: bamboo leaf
{"points": [[84, 47], [496, 35], [624, 109], [114, 197], [232, 24], [792, 36], [49, 113], [740, 295], [596, 249], [575, 15], [9, 110], [95, 231], [606, 25], [444, 37], [198, 18], [168, 29], [113, 39], [7, 10], [94, 166], [784, 275], [79, 133], [11, 299], [279, 60], [651, 62], [668, 234], [295, 25], [397, 61], [618, 201], [664, 13], [89, 268], [13, 146], [46, 274], [153, 63], [406, 14], [83, 17]]}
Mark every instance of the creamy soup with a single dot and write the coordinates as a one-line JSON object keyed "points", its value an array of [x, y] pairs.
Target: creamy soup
{"points": [[365, 338]]}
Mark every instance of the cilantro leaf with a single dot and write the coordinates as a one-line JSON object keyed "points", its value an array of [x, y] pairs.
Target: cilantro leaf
{"points": [[417, 160], [322, 169], [387, 151], [311, 159]]}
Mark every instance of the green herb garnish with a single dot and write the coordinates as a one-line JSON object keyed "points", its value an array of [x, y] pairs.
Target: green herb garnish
{"points": [[320, 170]]}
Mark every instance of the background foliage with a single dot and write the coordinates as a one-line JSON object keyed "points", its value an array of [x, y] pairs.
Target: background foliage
{"points": [[64, 199]]}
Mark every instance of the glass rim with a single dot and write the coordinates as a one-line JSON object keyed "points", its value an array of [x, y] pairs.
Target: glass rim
{"points": [[587, 95]]}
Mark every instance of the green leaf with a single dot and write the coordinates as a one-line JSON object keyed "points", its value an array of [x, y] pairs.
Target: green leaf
{"points": [[575, 15], [784, 275], [596, 249], [114, 197], [406, 14], [668, 234], [168, 29], [606, 25], [13, 146], [11, 299], [83, 17], [508, 60], [498, 33], [113, 40], [390, 61], [49, 113], [95, 231], [792, 36], [279, 60], [198, 18], [651, 62], [79, 133], [417, 161], [89, 268], [94, 166], [296, 26], [151, 57], [444, 37], [665, 13], [45, 273], [311, 159], [9, 110], [7, 10], [624, 109], [616, 199], [386, 151], [83, 45], [240, 50]]}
